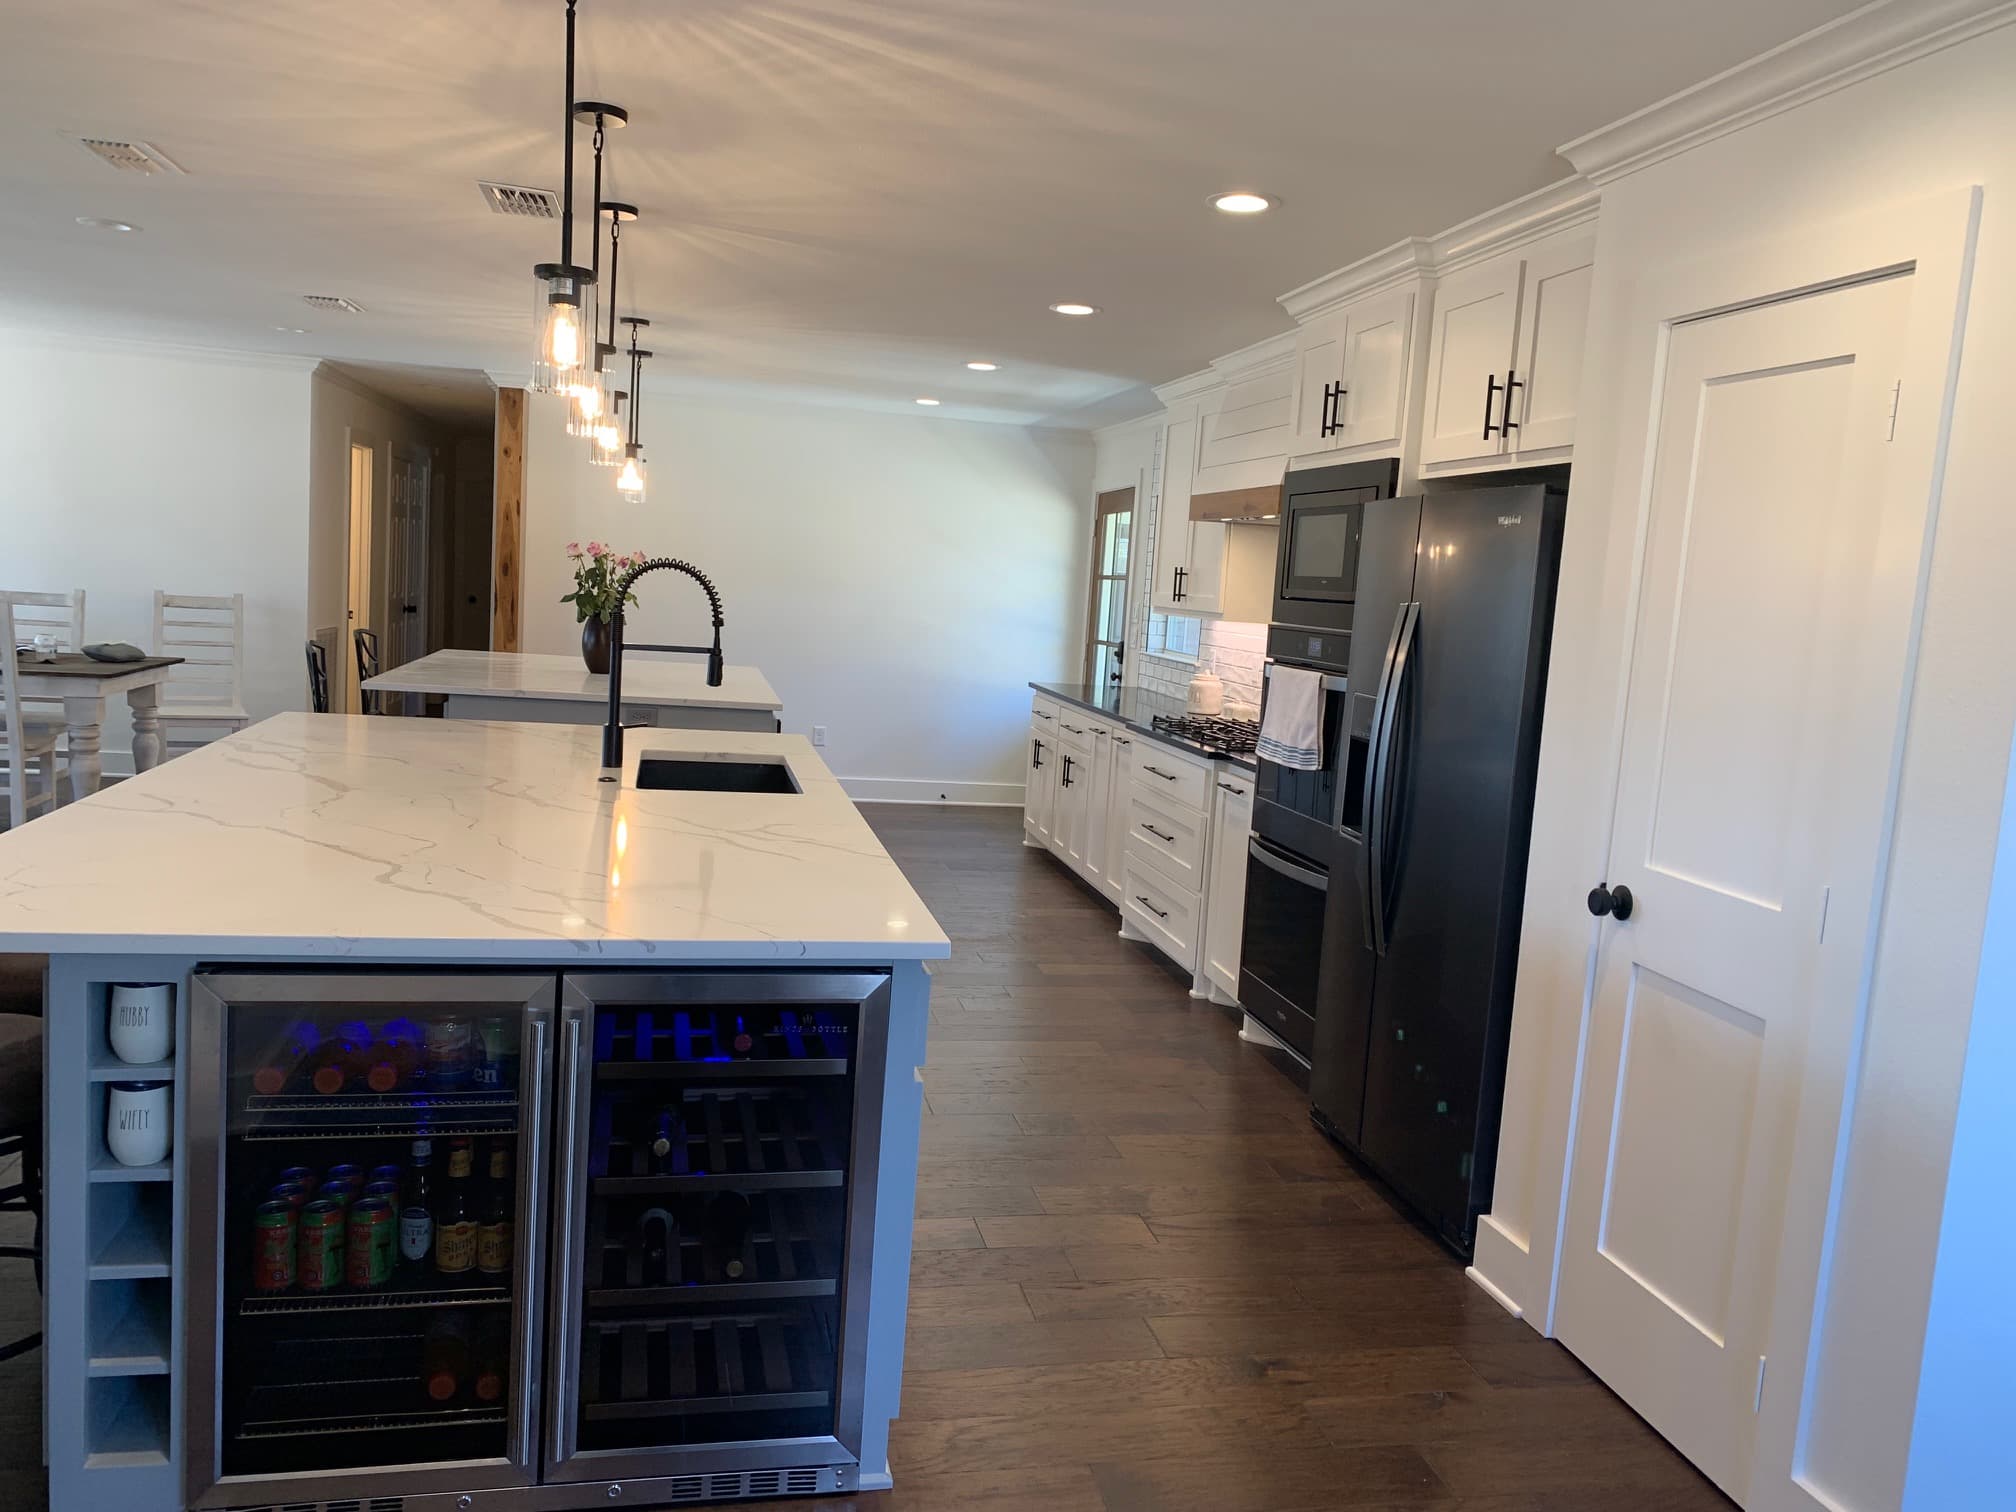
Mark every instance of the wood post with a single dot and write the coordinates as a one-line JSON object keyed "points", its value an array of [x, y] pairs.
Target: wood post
{"points": [[507, 589]]}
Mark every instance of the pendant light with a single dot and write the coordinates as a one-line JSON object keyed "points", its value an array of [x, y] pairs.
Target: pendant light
{"points": [[631, 481], [587, 394], [598, 415], [605, 448], [559, 289]]}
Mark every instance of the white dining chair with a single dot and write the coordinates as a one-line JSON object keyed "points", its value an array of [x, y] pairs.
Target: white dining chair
{"points": [[27, 740], [205, 696], [57, 614]]}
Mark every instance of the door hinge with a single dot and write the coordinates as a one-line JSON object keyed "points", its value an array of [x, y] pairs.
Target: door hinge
{"points": [[1758, 1404], [1890, 425]]}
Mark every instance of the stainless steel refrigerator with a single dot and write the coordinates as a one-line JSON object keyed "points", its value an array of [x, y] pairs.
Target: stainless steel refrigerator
{"points": [[1448, 664]]}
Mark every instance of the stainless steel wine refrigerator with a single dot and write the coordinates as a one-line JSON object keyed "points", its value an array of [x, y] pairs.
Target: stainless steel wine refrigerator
{"points": [[530, 1240]]}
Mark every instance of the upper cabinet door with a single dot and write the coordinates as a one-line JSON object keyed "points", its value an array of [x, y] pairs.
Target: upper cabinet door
{"points": [[1252, 423], [1172, 515], [1553, 317], [1374, 397], [1319, 374], [1470, 350], [1204, 574]]}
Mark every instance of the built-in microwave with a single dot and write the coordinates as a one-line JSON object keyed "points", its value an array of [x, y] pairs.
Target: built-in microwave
{"points": [[1322, 518]]}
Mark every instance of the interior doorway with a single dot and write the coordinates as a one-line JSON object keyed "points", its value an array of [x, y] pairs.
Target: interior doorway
{"points": [[1106, 624], [358, 604]]}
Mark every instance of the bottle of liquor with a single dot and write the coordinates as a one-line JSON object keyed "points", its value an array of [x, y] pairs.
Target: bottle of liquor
{"points": [[444, 1356], [742, 1042], [328, 1069], [416, 1212], [455, 1215], [493, 1229], [496, 1066], [724, 1235], [492, 1356], [664, 1136], [393, 1057], [290, 1055]]}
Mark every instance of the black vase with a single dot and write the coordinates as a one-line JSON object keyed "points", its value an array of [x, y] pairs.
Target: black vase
{"points": [[595, 643]]}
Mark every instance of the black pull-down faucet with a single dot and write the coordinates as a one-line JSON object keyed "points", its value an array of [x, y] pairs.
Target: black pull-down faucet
{"points": [[612, 729]]}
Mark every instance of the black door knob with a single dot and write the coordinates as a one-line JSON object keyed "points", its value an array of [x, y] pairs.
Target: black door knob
{"points": [[1614, 901]]}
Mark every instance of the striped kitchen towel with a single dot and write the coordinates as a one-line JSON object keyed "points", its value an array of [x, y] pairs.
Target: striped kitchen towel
{"points": [[1291, 725]]}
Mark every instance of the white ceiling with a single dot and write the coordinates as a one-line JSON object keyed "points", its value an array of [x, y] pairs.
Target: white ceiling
{"points": [[459, 397], [844, 201]]}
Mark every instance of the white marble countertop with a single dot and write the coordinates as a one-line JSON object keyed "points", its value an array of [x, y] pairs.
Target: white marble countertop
{"points": [[647, 679], [315, 836]]}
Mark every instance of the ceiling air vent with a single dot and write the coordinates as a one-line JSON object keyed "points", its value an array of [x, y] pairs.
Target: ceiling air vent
{"points": [[516, 199], [333, 302], [131, 157]]}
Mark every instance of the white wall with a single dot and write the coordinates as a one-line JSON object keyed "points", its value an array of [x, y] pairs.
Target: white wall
{"points": [[897, 579], [129, 468], [1941, 122]]}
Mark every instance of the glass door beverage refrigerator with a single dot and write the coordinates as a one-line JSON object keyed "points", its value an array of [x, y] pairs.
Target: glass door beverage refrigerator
{"points": [[536, 1240]]}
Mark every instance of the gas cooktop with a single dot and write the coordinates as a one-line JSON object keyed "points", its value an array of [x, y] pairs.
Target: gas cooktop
{"points": [[1214, 735]]}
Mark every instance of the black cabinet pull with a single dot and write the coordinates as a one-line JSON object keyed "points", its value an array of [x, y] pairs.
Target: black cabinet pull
{"points": [[1074, 729], [1511, 382], [1036, 756], [1165, 776], [1065, 778], [1491, 386], [1160, 913], [1236, 792], [1122, 740], [1039, 714], [1333, 403], [1614, 901], [1169, 839]]}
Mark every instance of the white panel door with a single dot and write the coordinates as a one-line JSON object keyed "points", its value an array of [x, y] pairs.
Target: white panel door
{"points": [[1039, 783], [1375, 371], [1172, 514], [1754, 761], [1319, 368], [1553, 318], [1470, 346]]}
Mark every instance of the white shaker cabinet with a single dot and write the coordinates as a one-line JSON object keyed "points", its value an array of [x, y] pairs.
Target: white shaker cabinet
{"points": [[1225, 887], [1071, 835], [1351, 376], [1039, 775], [1505, 353], [1189, 567]]}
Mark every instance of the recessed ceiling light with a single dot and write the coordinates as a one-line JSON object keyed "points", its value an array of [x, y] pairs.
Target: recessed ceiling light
{"points": [[1243, 202], [99, 223], [1071, 307], [927, 401], [983, 367]]}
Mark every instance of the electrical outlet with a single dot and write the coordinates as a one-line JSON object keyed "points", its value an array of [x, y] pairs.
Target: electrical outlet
{"points": [[818, 735]]}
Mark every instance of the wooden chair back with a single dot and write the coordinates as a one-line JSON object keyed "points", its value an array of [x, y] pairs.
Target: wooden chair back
{"points": [[208, 633]]}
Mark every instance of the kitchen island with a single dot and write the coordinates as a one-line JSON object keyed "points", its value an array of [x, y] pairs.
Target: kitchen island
{"points": [[561, 690], [681, 1028]]}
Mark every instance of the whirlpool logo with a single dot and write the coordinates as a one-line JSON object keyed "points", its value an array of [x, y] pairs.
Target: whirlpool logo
{"points": [[1511, 519]]}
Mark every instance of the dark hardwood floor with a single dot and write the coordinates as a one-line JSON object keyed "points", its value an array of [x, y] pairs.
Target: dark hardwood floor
{"points": [[1142, 1282]]}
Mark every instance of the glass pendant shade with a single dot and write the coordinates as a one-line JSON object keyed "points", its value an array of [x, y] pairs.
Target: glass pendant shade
{"points": [[631, 481], [605, 447], [564, 342], [587, 404]]}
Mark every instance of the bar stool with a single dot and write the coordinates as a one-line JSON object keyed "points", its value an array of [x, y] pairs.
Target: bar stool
{"points": [[21, 1109]]}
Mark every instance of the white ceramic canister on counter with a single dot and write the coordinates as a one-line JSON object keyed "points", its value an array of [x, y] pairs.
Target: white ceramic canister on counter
{"points": [[138, 1122], [1206, 693], [140, 1023]]}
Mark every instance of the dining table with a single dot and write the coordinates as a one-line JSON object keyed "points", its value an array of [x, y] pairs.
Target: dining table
{"points": [[85, 686]]}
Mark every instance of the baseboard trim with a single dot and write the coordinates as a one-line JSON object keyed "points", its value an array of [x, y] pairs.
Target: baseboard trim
{"points": [[923, 790], [1498, 1250], [1484, 1285]]}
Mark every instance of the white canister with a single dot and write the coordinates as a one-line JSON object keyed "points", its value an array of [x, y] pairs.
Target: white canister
{"points": [[141, 1022], [1206, 694], [138, 1122]]}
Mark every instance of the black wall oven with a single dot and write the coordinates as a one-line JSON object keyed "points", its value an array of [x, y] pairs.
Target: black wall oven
{"points": [[1322, 519]]}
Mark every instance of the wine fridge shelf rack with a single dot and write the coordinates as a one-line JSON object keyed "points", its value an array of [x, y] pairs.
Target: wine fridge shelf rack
{"points": [[343, 1300], [652, 1260], [641, 1368], [293, 1115], [695, 1043]]}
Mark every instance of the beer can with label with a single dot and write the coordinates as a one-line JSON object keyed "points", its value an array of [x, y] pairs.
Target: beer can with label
{"points": [[351, 1175], [339, 1192], [323, 1226], [292, 1193], [392, 1173], [301, 1176], [273, 1247], [389, 1190], [369, 1258]]}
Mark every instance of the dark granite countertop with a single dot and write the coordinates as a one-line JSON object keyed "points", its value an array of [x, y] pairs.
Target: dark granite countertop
{"points": [[1136, 708]]}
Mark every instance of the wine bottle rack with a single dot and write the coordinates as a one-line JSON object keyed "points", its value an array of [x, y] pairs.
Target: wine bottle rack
{"points": [[643, 1368], [699, 1043], [750, 1138], [642, 1256], [366, 1115]]}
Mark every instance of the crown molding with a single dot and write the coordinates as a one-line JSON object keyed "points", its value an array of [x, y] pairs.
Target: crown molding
{"points": [[1405, 259], [286, 362], [501, 378], [1121, 429], [1858, 46], [1572, 201], [1248, 361], [1190, 386]]}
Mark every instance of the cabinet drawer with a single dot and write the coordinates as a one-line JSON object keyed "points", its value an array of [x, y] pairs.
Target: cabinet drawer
{"points": [[1075, 727], [1172, 779], [1166, 915], [1168, 838], [1043, 712]]}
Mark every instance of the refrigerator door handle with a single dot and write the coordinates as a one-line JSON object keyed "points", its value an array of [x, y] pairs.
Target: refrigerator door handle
{"points": [[1381, 765], [559, 1360], [1273, 860], [1369, 796], [533, 1119]]}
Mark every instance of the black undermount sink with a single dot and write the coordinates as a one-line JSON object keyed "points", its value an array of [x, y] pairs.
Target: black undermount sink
{"points": [[700, 775]]}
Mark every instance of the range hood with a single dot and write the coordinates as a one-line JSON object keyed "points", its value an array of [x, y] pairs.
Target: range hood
{"points": [[1239, 506]]}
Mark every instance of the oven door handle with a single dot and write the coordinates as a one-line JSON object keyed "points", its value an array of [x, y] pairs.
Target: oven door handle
{"points": [[1274, 861], [1369, 796], [1380, 778], [1331, 684]]}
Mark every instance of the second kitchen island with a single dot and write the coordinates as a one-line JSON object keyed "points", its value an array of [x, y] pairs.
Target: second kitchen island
{"points": [[654, 1046]]}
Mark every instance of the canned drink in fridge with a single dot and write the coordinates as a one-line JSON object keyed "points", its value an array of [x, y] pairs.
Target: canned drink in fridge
{"points": [[273, 1247], [339, 1192], [496, 1068], [301, 1176], [368, 1261], [392, 1173], [350, 1175], [292, 1193], [320, 1263], [388, 1190], [451, 1053]]}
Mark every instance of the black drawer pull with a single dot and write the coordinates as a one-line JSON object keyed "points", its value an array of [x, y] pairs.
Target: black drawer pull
{"points": [[1165, 776], [1236, 792], [1169, 839], [1160, 913], [1074, 729], [1039, 713]]}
